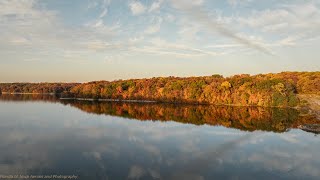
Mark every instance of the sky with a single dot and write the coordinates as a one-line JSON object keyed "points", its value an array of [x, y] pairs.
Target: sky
{"points": [[87, 40]]}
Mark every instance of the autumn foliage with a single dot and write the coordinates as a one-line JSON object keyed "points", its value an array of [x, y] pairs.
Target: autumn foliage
{"points": [[278, 90], [244, 90], [37, 88]]}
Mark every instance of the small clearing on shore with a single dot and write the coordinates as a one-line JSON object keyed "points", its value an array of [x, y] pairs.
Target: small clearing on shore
{"points": [[313, 103]]}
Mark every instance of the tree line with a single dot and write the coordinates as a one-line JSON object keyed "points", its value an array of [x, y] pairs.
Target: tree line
{"points": [[273, 89], [37, 88]]}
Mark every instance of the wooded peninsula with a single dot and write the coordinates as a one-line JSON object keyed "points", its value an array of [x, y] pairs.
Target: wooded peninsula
{"points": [[268, 90]]}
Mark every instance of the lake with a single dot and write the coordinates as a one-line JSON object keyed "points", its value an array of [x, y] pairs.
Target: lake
{"points": [[42, 135]]}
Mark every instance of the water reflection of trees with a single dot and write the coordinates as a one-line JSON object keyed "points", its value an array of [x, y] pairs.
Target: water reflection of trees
{"points": [[243, 118], [29, 97]]}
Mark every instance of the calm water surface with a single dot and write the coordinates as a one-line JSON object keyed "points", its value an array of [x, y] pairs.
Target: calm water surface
{"points": [[41, 135]]}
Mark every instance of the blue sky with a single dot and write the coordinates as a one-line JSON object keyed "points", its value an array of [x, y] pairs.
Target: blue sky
{"points": [[85, 40]]}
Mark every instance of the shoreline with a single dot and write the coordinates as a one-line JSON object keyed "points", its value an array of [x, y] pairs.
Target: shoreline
{"points": [[163, 102], [301, 97], [27, 93], [110, 100]]}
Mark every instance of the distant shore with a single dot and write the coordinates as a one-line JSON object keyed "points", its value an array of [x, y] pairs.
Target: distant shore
{"points": [[109, 100], [164, 102], [140, 101], [25, 93]]}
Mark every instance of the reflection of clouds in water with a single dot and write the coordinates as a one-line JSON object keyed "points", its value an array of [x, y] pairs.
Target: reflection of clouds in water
{"points": [[279, 157], [187, 176], [159, 150], [22, 156], [152, 150], [203, 160], [94, 155], [154, 174], [160, 131], [292, 138], [189, 146], [270, 163], [296, 164], [136, 172]]}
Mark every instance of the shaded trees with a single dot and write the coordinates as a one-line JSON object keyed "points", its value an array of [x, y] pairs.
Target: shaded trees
{"points": [[40, 88]]}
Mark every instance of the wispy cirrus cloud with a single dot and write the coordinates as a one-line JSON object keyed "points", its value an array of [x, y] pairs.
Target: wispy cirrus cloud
{"points": [[154, 28], [93, 30], [198, 14], [293, 23], [161, 47], [104, 11], [33, 26], [235, 3], [137, 7], [155, 5]]}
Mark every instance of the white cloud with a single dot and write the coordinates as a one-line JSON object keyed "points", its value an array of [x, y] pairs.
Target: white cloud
{"points": [[137, 7], [188, 32], [160, 46], [155, 5], [238, 2], [21, 21], [186, 4], [287, 41], [199, 15], [154, 28], [97, 30], [301, 20], [105, 5], [97, 45], [92, 4], [27, 24], [170, 18], [197, 2], [267, 19], [20, 41], [285, 25], [136, 39], [103, 13], [224, 46]]}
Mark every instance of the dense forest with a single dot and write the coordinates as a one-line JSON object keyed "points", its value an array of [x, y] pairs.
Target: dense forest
{"points": [[279, 89]]}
